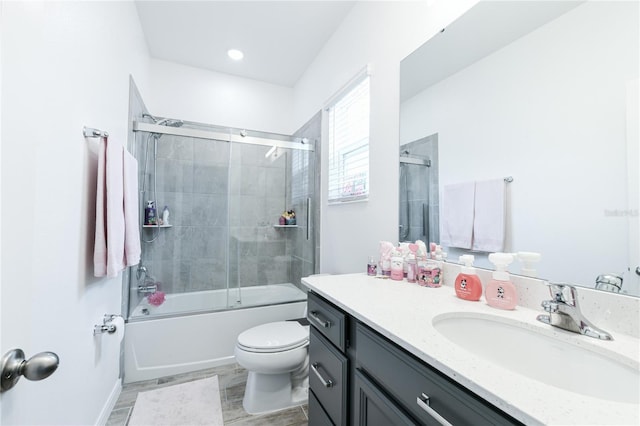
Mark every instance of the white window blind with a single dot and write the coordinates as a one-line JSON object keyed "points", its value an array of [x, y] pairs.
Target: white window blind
{"points": [[349, 143]]}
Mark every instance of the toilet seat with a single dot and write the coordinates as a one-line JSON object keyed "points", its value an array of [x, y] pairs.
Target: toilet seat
{"points": [[274, 337]]}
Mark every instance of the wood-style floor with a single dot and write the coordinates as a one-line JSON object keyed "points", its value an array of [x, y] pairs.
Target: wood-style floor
{"points": [[232, 379]]}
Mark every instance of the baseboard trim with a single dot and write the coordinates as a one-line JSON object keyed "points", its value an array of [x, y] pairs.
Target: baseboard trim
{"points": [[109, 404]]}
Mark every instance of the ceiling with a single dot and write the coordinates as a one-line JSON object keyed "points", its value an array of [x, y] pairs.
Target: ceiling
{"points": [[279, 39], [485, 28]]}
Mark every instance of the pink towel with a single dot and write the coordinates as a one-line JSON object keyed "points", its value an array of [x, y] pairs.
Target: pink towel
{"points": [[116, 211]]}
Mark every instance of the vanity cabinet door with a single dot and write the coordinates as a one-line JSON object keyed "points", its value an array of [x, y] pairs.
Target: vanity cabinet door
{"points": [[328, 370], [317, 415], [373, 408], [426, 394]]}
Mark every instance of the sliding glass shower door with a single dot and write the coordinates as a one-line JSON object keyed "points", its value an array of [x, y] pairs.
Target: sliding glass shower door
{"points": [[223, 246]]}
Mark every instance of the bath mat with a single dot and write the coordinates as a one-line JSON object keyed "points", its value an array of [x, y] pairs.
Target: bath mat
{"points": [[192, 403]]}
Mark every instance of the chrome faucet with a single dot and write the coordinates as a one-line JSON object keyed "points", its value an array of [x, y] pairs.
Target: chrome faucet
{"points": [[564, 312], [147, 289]]}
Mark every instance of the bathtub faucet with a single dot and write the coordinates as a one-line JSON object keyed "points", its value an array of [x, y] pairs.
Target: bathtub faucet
{"points": [[147, 289]]}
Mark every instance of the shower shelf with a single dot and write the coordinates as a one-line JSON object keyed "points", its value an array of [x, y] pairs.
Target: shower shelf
{"points": [[157, 226], [285, 226]]}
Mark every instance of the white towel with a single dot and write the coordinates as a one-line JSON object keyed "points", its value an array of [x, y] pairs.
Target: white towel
{"points": [[132, 248], [489, 217], [111, 206], [100, 242], [457, 215]]}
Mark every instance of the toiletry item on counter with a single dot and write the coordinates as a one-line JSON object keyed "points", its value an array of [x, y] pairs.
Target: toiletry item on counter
{"points": [[165, 216], [468, 285], [385, 257], [429, 273], [528, 259], [150, 216], [412, 268], [397, 264], [372, 266], [500, 292]]}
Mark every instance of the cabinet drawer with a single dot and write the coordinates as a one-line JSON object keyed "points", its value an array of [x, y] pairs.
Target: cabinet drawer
{"points": [[327, 319], [407, 380], [328, 370], [317, 415]]}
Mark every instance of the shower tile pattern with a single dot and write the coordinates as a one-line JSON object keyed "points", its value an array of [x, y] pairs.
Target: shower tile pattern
{"points": [[232, 381]]}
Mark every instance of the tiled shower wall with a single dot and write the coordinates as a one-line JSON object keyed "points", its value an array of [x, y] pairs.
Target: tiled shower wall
{"points": [[224, 200], [192, 180]]}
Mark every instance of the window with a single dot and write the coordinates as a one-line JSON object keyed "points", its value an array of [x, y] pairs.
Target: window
{"points": [[348, 117]]}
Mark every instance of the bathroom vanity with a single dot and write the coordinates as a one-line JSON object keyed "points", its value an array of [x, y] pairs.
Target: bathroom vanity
{"points": [[378, 355]]}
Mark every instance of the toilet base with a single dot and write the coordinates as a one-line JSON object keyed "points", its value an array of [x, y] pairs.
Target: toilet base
{"points": [[272, 392]]}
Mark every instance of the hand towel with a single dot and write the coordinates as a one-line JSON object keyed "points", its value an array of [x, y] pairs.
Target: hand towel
{"points": [[457, 215], [100, 241], [489, 218], [115, 209], [117, 238], [132, 248]]}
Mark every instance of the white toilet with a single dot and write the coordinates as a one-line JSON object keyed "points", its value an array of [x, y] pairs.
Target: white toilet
{"points": [[276, 356]]}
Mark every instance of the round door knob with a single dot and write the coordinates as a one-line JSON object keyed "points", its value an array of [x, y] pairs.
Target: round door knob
{"points": [[38, 367]]}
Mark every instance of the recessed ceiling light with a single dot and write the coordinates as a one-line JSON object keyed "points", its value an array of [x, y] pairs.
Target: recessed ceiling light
{"points": [[235, 54]]}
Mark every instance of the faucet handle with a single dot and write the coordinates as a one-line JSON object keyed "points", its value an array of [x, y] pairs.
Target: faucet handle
{"points": [[564, 292]]}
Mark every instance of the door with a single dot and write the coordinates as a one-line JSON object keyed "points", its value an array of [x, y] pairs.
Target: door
{"points": [[633, 159]]}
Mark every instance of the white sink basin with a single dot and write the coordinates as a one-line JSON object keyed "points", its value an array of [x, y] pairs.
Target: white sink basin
{"points": [[523, 349]]}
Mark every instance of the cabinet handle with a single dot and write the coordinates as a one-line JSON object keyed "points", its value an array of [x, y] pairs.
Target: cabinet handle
{"points": [[325, 383], [323, 323], [423, 402]]}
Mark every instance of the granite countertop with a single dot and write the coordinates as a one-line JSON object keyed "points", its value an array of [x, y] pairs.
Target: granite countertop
{"points": [[404, 312]]}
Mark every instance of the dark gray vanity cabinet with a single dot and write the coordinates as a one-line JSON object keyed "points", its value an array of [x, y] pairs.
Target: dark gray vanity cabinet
{"points": [[359, 377], [328, 363]]}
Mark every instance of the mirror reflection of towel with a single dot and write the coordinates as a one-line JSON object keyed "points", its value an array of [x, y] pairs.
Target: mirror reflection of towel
{"points": [[457, 215], [489, 216]]}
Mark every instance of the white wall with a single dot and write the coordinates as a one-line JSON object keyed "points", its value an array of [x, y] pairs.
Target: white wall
{"points": [[380, 34], [204, 96], [548, 109], [64, 65]]}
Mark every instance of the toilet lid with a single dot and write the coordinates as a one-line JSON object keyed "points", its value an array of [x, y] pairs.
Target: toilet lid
{"points": [[274, 337]]}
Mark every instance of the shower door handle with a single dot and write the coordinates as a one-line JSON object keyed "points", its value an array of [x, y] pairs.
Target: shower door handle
{"points": [[308, 218], [425, 221]]}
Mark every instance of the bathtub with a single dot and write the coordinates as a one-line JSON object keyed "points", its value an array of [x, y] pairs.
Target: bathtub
{"points": [[194, 331]]}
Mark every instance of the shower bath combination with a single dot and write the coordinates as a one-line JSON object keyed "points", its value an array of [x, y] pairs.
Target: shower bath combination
{"points": [[223, 260]]}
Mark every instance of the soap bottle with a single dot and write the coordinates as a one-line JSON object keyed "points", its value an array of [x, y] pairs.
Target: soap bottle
{"points": [[165, 216], [500, 292], [468, 285], [150, 217], [397, 266]]}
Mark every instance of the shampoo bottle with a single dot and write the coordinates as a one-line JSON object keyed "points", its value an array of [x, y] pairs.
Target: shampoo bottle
{"points": [[500, 292], [468, 285]]}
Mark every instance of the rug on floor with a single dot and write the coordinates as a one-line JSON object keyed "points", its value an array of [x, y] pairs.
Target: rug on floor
{"points": [[192, 403]]}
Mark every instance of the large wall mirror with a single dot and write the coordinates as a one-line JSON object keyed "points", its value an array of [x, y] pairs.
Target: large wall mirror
{"points": [[545, 92]]}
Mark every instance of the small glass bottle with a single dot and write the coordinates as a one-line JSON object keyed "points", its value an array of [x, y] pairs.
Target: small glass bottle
{"points": [[372, 267], [412, 269]]}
